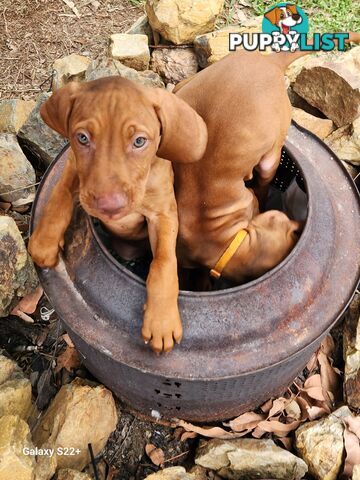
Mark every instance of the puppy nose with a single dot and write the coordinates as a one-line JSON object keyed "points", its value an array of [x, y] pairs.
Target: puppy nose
{"points": [[111, 203], [296, 16]]}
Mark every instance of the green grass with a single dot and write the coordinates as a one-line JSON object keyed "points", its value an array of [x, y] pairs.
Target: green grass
{"points": [[137, 3], [324, 16]]}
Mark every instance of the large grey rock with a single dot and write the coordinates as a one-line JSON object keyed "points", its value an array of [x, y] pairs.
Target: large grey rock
{"points": [[248, 458], [15, 464], [351, 344], [13, 114], [132, 50], [333, 86], [321, 444], [180, 21], [78, 415], [107, 67], [16, 172], [68, 69], [174, 64], [39, 139], [17, 272]]}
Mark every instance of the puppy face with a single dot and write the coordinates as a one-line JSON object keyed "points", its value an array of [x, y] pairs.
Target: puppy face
{"points": [[284, 17], [115, 134], [116, 129]]}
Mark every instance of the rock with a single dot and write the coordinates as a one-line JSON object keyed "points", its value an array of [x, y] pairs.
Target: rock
{"points": [[132, 50], [199, 472], [13, 114], [68, 474], [17, 272], [248, 458], [16, 172], [299, 102], [214, 46], [171, 473], [180, 21], [104, 67], [14, 438], [321, 127], [351, 344], [174, 64], [345, 142], [39, 139], [15, 390], [45, 466], [333, 86], [356, 473], [78, 415], [321, 445], [141, 27], [68, 69]]}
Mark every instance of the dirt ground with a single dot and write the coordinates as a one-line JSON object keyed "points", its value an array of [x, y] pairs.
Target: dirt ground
{"points": [[34, 33]]}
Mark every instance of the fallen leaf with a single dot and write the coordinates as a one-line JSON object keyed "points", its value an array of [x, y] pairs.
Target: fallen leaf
{"points": [[313, 388], [330, 380], [293, 410], [245, 421], [278, 406], [211, 432], [315, 412], [278, 428], [68, 359], [187, 435], [327, 345], [267, 406], [312, 363], [287, 442], [28, 304], [353, 424], [156, 455]]}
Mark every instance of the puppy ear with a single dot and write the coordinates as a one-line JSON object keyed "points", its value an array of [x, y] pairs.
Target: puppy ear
{"points": [[272, 15], [57, 109], [183, 132]]}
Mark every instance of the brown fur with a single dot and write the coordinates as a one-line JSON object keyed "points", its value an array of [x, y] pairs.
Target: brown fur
{"points": [[130, 190]]}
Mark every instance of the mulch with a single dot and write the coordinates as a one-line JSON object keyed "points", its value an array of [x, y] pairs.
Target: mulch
{"points": [[34, 33]]}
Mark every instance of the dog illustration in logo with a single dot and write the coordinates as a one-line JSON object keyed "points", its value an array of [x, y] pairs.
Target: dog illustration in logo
{"points": [[284, 18]]}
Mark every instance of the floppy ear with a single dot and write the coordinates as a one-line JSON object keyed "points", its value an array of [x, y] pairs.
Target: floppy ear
{"points": [[292, 8], [57, 109], [272, 16], [183, 131]]}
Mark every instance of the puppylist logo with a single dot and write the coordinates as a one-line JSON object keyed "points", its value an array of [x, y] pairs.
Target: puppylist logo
{"points": [[285, 27]]}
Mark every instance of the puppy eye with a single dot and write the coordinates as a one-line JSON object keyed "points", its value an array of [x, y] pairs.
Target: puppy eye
{"points": [[140, 142], [83, 139]]}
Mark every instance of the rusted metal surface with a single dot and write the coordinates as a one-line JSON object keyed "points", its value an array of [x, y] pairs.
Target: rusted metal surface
{"points": [[241, 345]]}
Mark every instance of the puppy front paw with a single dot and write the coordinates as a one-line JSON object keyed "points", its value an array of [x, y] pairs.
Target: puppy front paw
{"points": [[44, 252], [161, 328]]}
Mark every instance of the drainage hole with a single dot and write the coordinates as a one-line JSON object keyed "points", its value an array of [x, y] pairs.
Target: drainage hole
{"points": [[157, 391], [159, 405], [178, 384], [168, 383], [167, 395], [177, 395], [178, 408]]}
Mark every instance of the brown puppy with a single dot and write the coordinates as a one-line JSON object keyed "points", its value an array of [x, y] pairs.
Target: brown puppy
{"points": [[120, 133], [244, 103]]}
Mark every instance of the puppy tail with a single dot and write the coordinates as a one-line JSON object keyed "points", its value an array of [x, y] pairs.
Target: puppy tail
{"points": [[284, 59]]}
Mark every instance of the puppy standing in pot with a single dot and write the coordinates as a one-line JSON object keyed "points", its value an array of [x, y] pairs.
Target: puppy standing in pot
{"points": [[121, 136]]}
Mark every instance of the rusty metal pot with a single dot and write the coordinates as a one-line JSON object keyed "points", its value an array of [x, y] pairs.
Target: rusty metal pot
{"points": [[241, 345]]}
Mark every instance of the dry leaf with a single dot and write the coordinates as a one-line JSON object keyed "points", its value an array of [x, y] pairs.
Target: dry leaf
{"points": [[68, 359], [287, 443], [315, 412], [330, 380], [211, 432], [327, 345], [353, 424], [278, 428], [187, 435], [245, 421], [313, 388], [293, 410], [312, 363], [71, 5], [67, 340], [278, 406], [266, 406], [156, 455], [28, 304]]}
